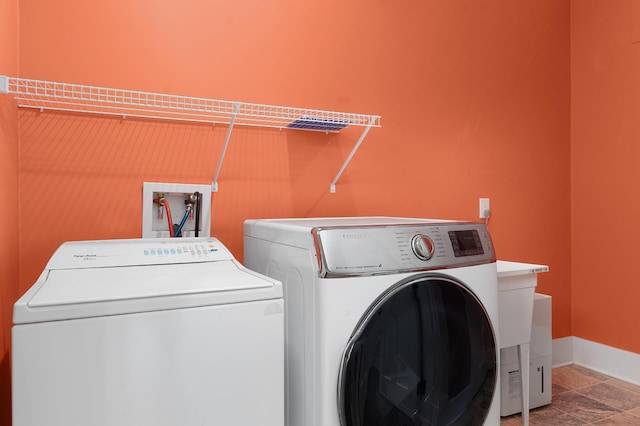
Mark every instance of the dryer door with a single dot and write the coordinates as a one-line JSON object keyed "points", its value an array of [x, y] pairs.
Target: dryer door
{"points": [[424, 354]]}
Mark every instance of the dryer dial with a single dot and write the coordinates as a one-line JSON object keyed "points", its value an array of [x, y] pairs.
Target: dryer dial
{"points": [[422, 246]]}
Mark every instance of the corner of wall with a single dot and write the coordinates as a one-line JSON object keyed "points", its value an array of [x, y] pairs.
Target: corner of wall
{"points": [[614, 362]]}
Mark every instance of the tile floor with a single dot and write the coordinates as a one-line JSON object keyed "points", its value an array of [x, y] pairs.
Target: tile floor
{"points": [[585, 397]]}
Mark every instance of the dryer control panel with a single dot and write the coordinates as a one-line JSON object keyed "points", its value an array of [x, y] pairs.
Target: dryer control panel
{"points": [[370, 250]]}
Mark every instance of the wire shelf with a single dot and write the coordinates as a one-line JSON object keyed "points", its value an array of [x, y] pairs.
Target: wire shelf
{"points": [[48, 95]]}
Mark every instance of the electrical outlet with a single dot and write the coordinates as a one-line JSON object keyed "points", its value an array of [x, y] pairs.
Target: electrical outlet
{"points": [[485, 209], [154, 215]]}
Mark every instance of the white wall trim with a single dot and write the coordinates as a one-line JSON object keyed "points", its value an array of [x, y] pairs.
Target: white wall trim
{"points": [[562, 351], [614, 362]]}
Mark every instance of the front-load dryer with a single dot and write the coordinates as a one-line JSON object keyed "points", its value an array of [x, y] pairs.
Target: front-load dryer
{"points": [[389, 321]]}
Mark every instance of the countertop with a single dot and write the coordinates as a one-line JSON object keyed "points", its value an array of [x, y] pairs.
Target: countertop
{"points": [[508, 269]]}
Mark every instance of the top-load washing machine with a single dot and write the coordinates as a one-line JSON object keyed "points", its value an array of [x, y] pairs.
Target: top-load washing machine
{"points": [[166, 331], [389, 321]]}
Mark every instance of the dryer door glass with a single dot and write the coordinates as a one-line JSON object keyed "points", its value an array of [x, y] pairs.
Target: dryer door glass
{"points": [[424, 354]]}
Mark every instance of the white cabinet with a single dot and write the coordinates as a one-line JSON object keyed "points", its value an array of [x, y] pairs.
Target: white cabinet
{"points": [[516, 292], [540, 364]]}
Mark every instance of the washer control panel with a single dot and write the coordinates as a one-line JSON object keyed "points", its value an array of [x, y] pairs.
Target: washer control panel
{"points": [[137, 252], [380, 249]]}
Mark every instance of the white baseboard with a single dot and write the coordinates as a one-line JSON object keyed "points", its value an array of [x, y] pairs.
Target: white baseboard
{"points": [[562, 351], [618, 363]]}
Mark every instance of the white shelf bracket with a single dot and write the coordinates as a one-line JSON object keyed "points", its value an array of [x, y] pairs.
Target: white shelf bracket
{"points": [[214, 184], [332, 188]]}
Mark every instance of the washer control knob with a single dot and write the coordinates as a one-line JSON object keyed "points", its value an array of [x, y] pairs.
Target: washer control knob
{"points": [[422, 246]]}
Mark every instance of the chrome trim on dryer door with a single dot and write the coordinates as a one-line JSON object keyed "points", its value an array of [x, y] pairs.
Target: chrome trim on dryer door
{"points": [[418, 377]]}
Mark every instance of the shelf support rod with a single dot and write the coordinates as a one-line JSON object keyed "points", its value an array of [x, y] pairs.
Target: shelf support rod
{"points": [[214, 184], [353, 151]]}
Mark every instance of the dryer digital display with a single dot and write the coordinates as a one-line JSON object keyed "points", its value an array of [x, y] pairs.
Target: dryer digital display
{"points": [[466, 243]]}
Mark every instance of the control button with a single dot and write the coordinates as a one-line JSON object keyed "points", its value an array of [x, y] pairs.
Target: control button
{"points": [[153, 252], [422, 246], [166, 251], [173, 251], [179, 251], [146, 252]]}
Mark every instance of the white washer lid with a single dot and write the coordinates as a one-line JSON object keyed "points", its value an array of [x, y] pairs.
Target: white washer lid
{"points": [[82, 292], [73, 286]]}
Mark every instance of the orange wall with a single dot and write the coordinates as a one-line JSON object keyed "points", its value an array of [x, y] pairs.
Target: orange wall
{"points": [[474, 98], [605, 173], [10, 197], [9, 291]]}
